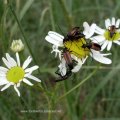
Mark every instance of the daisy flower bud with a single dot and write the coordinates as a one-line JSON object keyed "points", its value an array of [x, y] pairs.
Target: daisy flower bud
{"points": [[5, 2], [17, 45]]}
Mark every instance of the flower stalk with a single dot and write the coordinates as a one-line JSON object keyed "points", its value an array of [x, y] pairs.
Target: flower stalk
{"points": [[25, 39]]}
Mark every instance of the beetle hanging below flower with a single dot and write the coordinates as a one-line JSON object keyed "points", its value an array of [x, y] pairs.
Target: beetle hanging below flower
{"points": [[75, 43], [69, 65]]}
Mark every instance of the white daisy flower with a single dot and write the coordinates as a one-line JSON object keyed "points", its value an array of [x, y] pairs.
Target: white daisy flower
{"points": [[14, 73], [97, 55], [57, 40], [109, 35], [78, 53]]}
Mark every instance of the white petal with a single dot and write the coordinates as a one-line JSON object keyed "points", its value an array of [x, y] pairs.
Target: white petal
{"points": [[6, 86], [74, 57], [27, 82], [86, 28], [18, 84], [27, 62], [84, 59], [107, 23], [109, 46], [18, 59], [77, 67], [11, 60], [54, 41], [117, 42], [88, 31], [3, 69], [60, 55], [27, 74], [100, 58], [6, 62], [99, 31], [2, 74], [33, 78], [62, 67], [106, 54], [15, 87], [32, 68], [117, 23], [104, 45], [98, 53], [92, 30], [55, 33], [113, 21], [60, 40], [99, 38], [3, 81]]}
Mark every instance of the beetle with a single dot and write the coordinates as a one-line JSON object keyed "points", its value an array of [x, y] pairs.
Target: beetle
{"points": [[69, 63], [92, 45], [73, 34], [112, 29]]}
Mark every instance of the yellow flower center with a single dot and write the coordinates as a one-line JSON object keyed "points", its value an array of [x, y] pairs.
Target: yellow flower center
{"points": [[15, 74], [75, 47], [114, 37]]}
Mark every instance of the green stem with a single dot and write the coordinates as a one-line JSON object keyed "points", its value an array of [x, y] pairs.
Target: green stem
{"points": [[48, 100], [69, 106], [78, 85], [49, 108], [67, 14], [52, 17], [100, 67], [4, 41], [25, 39]]}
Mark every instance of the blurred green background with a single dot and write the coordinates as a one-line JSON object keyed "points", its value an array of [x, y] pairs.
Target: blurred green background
{"points": [[96, 99]]}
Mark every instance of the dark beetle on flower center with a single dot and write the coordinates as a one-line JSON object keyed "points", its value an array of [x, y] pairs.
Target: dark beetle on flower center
{"points": [[112, 30], [74, 34], [93, 46]]}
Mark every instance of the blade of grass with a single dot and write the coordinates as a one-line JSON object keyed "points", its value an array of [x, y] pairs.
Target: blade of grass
{"points": [[25, 38], [22, 13], [68, 16], [78, 85], [93, 94]]}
